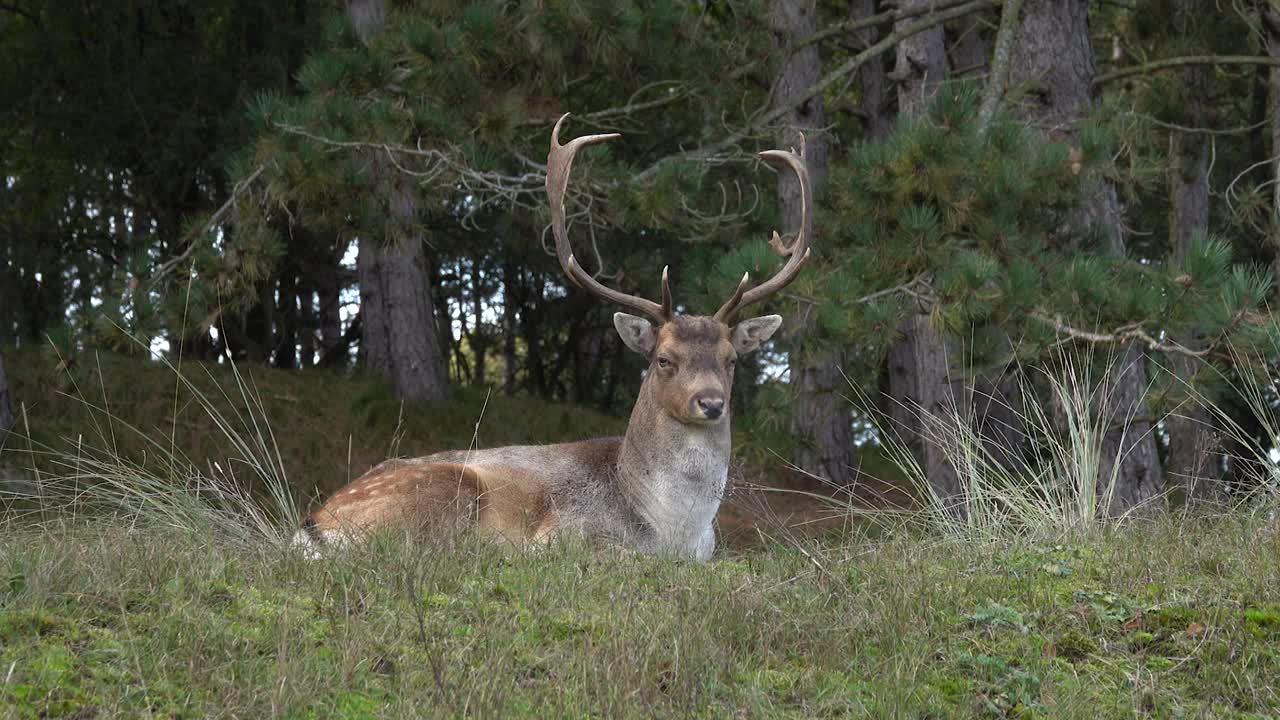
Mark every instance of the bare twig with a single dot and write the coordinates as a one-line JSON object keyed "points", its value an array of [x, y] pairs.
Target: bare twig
{"points": [[673, 93], [1167, 63], [1198, 130]]}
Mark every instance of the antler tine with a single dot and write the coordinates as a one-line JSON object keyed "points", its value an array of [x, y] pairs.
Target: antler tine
{"points": [[796, 255], [722, 314], [559, 161], [666, 295]]}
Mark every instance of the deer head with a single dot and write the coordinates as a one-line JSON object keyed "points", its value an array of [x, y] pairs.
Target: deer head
{"points": [[691, 357]]}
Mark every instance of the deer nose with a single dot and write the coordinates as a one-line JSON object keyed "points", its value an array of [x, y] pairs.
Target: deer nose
{"points": [[711, 407]]}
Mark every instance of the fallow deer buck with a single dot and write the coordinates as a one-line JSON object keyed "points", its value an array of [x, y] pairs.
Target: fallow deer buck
{"points": [[656, 489]]}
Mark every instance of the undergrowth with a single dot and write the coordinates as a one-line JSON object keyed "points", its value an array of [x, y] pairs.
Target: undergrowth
{"points": [[324, 429]]}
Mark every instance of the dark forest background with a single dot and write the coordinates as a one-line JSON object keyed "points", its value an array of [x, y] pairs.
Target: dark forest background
{"points": [[358, 187]]}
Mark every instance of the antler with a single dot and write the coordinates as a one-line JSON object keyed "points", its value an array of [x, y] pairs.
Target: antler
{"points": [[796, 254], [558, 163]]}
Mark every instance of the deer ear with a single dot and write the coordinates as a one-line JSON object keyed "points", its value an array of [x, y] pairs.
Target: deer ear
{"points": [[636, 332], [751, 334]]}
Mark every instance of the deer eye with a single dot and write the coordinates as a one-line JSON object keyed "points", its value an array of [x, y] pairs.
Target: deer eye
{"points": [[663, 362]]}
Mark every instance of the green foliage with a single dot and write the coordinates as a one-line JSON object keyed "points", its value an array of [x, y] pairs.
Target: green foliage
{"points": [[969, 226]]}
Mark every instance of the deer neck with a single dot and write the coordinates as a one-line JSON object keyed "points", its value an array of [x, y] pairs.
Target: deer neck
{"points": [[673, 476]]}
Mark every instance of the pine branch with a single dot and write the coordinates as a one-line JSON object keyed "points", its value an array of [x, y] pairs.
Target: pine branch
{"points": [[852, 65], [674, 93], [1165, 64], [1003, 52], [1124, 334], [523, 190], [1241, 130], [446, 168], [189, 239], [917, 287]]}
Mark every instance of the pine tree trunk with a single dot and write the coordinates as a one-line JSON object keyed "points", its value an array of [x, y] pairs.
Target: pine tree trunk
{"points": [[821, 419], [478, 341], [920, 65], [531, 327], [306, 323], [1192, 445], [286, 343], [1053, 58], [398, 338], [970, 49], [923, 387], [997, 413], [510, 326], [329, 301], [1129, 463], [6, 405], [925, 394], [873, 103], [399, 335]]}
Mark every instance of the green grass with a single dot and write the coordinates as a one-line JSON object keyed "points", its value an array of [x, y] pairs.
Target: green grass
{"points": [[1171, 618]]}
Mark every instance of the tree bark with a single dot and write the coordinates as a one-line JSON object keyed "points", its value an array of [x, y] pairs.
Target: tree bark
{"points": [[329, 299], [920, 65], [479, 340], [970, 49], [996, 404], [510, 326], [6, 405], [1054, 58], [367, 17], [1192, 444], [1129, 463], [306, 323], [531, 316], [286, 341], [873, 105], [924, 391], [925, 396], [821, 419], [399, 331]]}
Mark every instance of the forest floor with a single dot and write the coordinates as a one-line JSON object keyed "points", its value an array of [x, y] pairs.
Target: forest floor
{"points": [[812, 608]]}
